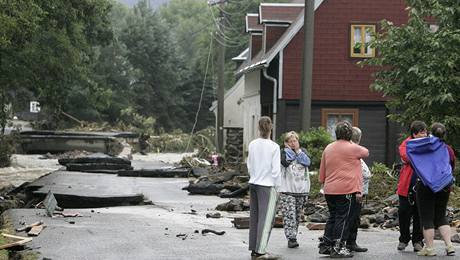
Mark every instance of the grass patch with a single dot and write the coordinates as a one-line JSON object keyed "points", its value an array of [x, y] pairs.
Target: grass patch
{"points": [[7, 227]]}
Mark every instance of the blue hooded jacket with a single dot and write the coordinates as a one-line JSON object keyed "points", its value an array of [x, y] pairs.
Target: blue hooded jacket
{"points": [[431, 162]]}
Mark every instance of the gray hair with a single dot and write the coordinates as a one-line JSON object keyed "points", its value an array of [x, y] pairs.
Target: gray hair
{"points": [[356, 135]]}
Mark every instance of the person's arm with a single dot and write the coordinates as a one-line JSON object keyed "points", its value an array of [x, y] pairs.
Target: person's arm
{"points": [[365, 170], [284, 160], [322, 169], [303, 158], [403, 152], [249, 162], [276, 166], [361, 151], [452, 157]]}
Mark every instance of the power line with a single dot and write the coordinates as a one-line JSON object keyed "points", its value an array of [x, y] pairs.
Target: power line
{"points": [[201, 96]]}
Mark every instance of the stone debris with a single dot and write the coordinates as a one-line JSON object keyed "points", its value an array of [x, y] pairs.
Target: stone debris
{"points": [[213, 215], [205, 231], [234, 205]]}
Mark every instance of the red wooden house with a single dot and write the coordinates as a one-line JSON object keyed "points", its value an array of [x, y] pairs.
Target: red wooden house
{"points": [[342, 31]]}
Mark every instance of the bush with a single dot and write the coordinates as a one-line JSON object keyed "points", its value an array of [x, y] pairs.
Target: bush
{"points": [[315, 140], [382, 184], [6, 149]]}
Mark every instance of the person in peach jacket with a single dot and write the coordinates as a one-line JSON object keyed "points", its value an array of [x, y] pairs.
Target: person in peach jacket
{"points": [[340, 174]]}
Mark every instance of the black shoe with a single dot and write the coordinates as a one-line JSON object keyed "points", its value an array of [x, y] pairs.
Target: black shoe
{"points": [[324, 246], [324, 249], [254, 255], [340, 253], [355, 248], [292, 243]]}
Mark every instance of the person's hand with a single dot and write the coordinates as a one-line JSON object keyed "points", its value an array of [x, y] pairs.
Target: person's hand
{"points": [[359, 197]]}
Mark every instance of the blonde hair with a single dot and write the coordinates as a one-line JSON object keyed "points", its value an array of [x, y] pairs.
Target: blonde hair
{"points": [[290, 135], [265, 126]]}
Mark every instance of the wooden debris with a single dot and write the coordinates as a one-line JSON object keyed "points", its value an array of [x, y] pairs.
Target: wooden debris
{"points": [[455, 224], [20, 241], [29, 227], [316, 226], [241, 222], [35, 230], [67, 214]]}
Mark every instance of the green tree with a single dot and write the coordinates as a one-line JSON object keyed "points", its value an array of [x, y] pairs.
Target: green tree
{"points": [[19, 22], [158, 69], [420, 65]]}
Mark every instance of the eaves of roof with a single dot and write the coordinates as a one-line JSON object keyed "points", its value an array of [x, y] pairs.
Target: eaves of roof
{"points": [[263, 60]]}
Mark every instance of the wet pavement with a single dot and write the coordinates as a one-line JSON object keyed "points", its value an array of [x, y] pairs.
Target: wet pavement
{"points": [[150, 231]]}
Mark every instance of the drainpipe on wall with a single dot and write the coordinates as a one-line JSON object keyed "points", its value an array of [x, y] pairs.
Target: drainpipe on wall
{"points": [[275, 84]]}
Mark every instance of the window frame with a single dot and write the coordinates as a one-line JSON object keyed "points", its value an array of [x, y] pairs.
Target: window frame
{"points": [[325, 112], [363, 37]]}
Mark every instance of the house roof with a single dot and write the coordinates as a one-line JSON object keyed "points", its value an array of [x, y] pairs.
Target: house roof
{"points": [[279, 13], [242, 56], [263, 60], [252, 23]]}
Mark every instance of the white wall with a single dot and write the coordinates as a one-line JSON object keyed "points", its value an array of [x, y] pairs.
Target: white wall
{"points": [[251, 107], [233, 105]]}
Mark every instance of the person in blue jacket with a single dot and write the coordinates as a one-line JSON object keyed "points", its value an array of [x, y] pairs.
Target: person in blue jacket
{"points": [[433, 212]]}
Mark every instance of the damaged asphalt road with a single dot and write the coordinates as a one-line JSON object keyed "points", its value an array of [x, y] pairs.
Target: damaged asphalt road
{"points": [[150, 231]]}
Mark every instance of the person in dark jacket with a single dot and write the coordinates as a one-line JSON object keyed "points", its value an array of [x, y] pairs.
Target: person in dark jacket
{"points": [[408, 210], [433, 212]]}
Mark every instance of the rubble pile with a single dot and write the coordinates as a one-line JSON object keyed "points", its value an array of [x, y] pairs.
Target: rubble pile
{"points": [[96, 162], [226, 184], [234, 146]]}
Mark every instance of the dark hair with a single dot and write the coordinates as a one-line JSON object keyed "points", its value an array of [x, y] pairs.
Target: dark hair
{"points": [[417, 127], [343, 131], [265, 126], [438, 130]]}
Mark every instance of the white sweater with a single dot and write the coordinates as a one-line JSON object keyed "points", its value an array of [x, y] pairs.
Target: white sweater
{"points": [[264, 162]]}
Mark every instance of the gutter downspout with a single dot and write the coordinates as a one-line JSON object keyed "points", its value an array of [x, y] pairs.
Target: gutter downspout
{"points": [[275, 105]]}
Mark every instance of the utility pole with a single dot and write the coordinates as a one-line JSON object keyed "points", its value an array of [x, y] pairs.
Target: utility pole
{"points": [[307, 68], [220, 76]]}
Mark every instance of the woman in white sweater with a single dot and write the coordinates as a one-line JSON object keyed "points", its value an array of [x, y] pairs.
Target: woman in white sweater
{"points": [[264, 167]]}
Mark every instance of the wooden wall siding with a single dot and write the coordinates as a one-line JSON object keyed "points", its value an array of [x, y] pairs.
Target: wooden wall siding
{"points": [[253, 23], [335, 74], [279, 13], [256, 45], [272, 34], [372, 121]]}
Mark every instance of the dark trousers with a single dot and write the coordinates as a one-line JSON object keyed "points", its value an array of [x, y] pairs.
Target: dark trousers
{"points": [[354, 223], [262, 206], [433, 212], [408, 211], [337, 226]]}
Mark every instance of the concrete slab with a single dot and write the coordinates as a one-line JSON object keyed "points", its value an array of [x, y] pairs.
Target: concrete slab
{"points": [[149, 232], [78, 189]]}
